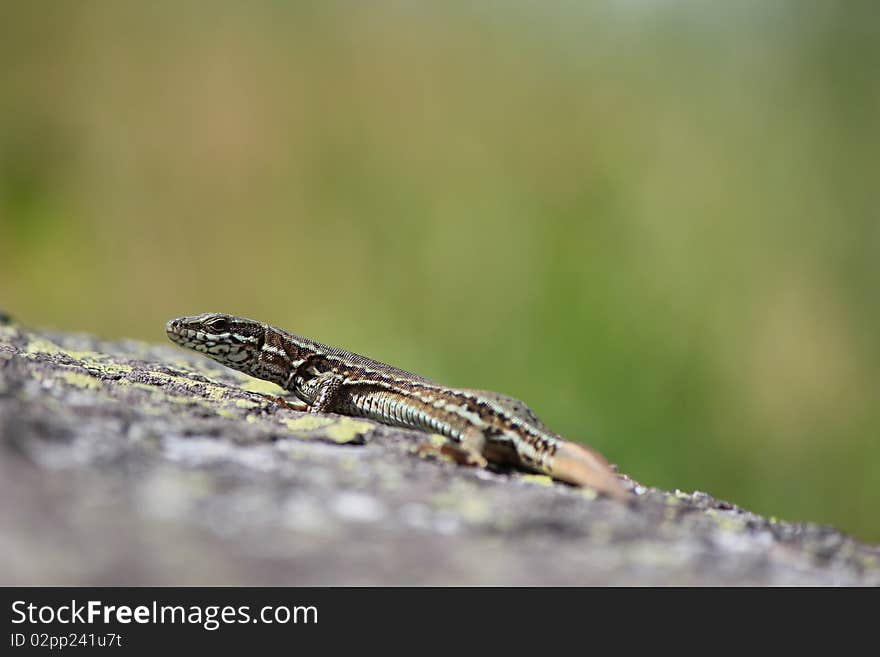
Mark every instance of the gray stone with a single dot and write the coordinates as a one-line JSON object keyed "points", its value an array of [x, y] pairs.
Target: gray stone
{"points": [[123, 463]]}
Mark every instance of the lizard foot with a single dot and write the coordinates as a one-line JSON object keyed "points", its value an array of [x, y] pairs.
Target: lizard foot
{"points": [[454, 452], [294, 405]]}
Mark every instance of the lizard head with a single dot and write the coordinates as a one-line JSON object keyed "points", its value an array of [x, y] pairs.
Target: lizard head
{"points": [[233, 341]]}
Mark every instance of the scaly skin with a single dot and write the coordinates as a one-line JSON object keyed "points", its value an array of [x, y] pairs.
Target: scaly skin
{"points": [[486, 426]]}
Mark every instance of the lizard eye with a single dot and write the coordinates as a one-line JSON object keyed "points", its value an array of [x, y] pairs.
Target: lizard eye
{"points": [[218, 324]]}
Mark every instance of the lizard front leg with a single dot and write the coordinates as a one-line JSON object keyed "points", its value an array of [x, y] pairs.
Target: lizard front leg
{"points": [[318, 395], [327, 387]]}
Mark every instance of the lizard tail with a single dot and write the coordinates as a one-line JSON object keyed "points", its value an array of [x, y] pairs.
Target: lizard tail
{"points": [[581, 466]]}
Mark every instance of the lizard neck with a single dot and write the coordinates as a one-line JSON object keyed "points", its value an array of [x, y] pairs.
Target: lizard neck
{"points": [[279, 357]]}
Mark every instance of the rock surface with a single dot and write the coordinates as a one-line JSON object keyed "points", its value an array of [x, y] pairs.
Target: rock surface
{"points": [[123, 463]]}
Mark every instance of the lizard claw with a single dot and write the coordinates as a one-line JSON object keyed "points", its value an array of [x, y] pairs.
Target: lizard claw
{"points": [[293, 405]]}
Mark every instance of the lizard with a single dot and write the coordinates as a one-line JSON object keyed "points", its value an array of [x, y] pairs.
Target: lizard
{"points": [[481, 426]]}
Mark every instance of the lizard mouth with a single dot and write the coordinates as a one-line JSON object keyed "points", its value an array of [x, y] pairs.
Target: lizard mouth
{"points": [[173, 330]]}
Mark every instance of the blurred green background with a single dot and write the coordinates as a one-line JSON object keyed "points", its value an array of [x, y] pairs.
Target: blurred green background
{"points": [[654, 221]]}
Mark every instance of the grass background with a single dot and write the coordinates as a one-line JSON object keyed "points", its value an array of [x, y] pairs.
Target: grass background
{"points": [[654, 221]]}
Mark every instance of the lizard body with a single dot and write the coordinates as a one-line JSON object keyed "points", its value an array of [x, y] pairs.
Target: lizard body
{"points": [[486, 426]]}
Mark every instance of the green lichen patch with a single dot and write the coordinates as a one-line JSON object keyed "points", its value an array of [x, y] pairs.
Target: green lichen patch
{"points": [[8, 331], [262, 387], [537, 479], [469, 507], [340, 430], [39, 345], [725, 521], [79, 380], [42, 346], [589, 493]]}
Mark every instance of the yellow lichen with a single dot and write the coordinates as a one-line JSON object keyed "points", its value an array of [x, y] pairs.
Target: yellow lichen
{"points": [[339, 430], [215, 392], [475, 510], [80, 380], [262, 387], [726, 522], [39, 345], [539, 479], [307, 422], [42, 346], [469, 507]]}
